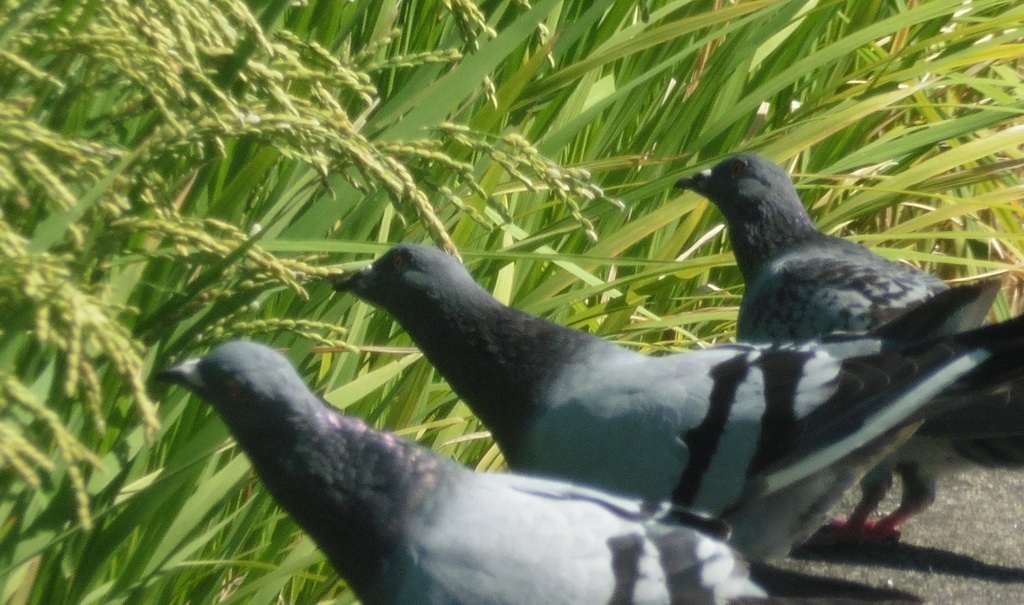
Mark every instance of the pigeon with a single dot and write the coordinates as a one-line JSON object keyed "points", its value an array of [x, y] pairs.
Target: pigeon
{"points": [[800, 283], [767, 437], [803, 284], [405, 526]]}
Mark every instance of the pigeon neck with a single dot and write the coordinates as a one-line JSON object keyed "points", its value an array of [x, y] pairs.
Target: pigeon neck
{"points": [[497, 359], [757, 242], [350, 487]]}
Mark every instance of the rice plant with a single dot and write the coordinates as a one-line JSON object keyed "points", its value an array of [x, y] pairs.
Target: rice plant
{"points": [[174, 174]]}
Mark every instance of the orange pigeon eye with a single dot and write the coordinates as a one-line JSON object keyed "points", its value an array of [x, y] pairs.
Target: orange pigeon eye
{"points": [[738, 168]]}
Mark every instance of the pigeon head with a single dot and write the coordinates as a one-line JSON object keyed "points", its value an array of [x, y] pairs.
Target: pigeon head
{"points": [[746, 186], [407, 276], [246, 382], [760, 204]]}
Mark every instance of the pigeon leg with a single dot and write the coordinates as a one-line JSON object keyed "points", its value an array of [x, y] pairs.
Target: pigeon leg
{"points": [[918, 494], [873, 488], [857, 529]]}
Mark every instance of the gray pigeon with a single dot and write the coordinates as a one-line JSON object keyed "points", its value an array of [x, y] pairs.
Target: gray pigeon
{"points": [[405, 526], [803, 284], [800, 283], [767, 437]]}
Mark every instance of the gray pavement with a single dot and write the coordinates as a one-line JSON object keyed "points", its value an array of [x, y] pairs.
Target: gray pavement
{"points": [[966, 549]]}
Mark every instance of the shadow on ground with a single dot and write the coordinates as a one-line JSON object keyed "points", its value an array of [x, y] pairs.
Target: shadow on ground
{"points": [[967, 549], [912, 557]]}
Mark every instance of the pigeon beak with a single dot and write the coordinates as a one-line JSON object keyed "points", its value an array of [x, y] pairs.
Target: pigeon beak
{"points": [[350, 282], [185, 373], [696, 182]]}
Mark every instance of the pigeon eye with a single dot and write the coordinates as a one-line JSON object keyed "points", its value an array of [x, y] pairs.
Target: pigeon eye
{"points": [[233, 389], [401, 259], [737, 168]]}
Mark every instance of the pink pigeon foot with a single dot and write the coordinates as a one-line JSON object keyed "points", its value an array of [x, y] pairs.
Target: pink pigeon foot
{"points": [[842, 532]]}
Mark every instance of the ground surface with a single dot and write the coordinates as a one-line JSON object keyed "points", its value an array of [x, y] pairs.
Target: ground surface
{"points": [[967, 548]]}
